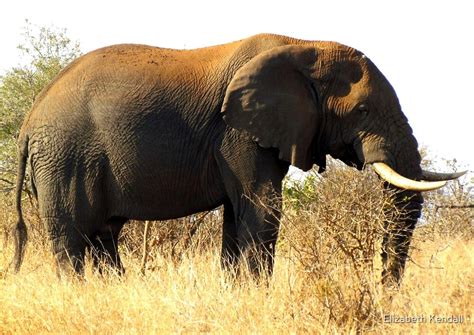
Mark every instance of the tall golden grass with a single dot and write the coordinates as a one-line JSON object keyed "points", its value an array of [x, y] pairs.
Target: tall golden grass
{"points": [[326, 279]]}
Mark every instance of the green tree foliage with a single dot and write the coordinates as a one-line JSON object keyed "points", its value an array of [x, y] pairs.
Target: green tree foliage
{"points": [[44, 52]]}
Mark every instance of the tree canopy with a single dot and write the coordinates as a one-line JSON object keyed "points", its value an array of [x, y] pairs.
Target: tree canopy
{"points": [[43, 52]]}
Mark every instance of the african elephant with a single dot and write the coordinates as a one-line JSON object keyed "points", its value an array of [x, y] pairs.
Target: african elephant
{"points": [[144, 133]]}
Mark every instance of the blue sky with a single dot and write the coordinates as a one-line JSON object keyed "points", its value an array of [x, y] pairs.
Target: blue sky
{"points": [[424, 48]]}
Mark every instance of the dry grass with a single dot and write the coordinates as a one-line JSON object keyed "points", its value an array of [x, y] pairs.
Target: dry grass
{"points": [[326, 276]]}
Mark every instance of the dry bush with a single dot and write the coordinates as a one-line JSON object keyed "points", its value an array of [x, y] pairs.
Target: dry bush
{"points": [[449, 211], [173, 239], [333, 228], [326, 279]]}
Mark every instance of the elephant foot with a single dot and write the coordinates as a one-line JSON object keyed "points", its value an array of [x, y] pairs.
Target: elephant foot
{"points": [[105, 256], [69, 260]]}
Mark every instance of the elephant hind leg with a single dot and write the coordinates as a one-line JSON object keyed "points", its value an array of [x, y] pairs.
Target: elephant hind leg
{"points": [[104, 246], [68, 245]]}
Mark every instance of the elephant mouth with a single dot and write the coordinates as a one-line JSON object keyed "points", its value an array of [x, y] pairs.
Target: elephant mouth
{"points": [[349, 157]]}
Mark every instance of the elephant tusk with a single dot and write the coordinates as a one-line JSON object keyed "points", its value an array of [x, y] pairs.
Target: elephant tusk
{"points": [[436, 176], [389, 175]]}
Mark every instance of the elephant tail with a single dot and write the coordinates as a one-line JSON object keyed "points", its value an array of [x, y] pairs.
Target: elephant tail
{"points": [[20, 232]]}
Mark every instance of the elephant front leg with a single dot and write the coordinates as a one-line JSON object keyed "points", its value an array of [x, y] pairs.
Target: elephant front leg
{"points": [[252, 178], [230, 248], [251, 229], [257, 234]]}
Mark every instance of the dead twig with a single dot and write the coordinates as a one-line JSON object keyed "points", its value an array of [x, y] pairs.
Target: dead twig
{"points": [[145, 247], [454, 206]]}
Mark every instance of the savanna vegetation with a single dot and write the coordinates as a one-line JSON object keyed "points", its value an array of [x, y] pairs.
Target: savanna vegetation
{"points": [[328, 267]]}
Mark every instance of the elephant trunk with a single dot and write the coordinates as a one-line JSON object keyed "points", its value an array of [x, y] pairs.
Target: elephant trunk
{"points": [[408, 203], [397, 162], [397, 238], [408, 182]]}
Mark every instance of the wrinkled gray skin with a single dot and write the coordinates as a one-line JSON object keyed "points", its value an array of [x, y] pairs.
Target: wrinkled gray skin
{"points": [[138, 132]]}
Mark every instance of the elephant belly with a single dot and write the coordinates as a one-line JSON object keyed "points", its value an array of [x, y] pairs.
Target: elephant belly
{"points": [[164, 189], [160, 162]]}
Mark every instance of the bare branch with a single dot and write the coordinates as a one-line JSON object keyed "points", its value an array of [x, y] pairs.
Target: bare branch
{"points": [[454, 206], [7, 181]]}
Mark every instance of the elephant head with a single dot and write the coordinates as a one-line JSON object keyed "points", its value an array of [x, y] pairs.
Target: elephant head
{"points": [[325, 98]]}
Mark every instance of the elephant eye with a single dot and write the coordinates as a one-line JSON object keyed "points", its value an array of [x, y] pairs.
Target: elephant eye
{"points": [[363, 109]]}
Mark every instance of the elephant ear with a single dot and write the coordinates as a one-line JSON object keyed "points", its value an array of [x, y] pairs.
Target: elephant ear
{"points": [[271, 98]]}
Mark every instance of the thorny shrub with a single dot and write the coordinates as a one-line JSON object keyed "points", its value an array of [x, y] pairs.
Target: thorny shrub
{"points": [[332, 228]]}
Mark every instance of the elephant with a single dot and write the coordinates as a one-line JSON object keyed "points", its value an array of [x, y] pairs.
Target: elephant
{"points": [[146, 133]]}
